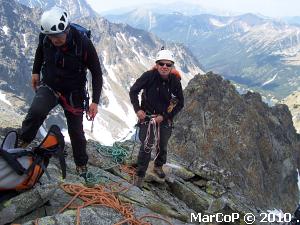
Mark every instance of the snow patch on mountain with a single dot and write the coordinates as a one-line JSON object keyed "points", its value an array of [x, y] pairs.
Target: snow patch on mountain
{"points": [[269, 81], [292, 101], [5, 29], [245, 26], [3, 99], [217, 23], [109, 68], [152, 20], [25, 41], [114, 105]]}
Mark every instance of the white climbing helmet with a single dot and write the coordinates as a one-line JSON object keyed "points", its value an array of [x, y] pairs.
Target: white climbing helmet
{"points": [[165, 55], [54, 21]]}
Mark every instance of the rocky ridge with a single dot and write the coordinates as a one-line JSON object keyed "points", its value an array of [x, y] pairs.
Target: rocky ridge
{"points": [[221, 177]]}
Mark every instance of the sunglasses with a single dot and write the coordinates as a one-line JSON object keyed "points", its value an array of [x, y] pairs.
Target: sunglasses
{"points": [[167, 64]]}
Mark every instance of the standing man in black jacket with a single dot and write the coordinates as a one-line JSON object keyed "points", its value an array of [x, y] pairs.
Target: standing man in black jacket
{"points": [[62, 58], [162, 99]]}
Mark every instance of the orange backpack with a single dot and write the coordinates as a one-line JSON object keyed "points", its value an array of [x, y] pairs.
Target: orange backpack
{"points": [[21, 169]]}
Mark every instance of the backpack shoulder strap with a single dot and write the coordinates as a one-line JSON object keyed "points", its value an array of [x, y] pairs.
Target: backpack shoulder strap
{"points": [[10, 141], [82, 30], [84, 48], [13, 162], [42, 38], [54, 144], [81, 36]]}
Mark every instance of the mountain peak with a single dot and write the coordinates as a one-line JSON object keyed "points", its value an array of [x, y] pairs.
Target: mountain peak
{"points": [[251, 19], [242, 135], [76, 8]]}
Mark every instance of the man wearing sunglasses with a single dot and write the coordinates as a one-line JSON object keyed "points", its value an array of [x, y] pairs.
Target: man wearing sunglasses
{"points": [[62, 58], [160, 88]]}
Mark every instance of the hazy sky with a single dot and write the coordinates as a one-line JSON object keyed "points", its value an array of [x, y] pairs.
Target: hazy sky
{"points": [[273, 8]]}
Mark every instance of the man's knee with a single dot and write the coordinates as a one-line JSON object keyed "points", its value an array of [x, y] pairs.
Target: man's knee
{"points": [[76, 134], [38, 112]]}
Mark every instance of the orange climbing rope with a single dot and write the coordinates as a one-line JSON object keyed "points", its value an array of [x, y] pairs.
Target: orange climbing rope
{"points": [[102, 196], [130, 170]]}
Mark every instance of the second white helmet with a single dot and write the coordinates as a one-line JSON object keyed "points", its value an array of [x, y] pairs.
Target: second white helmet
{"points": [[54, 21], [165, 55]]}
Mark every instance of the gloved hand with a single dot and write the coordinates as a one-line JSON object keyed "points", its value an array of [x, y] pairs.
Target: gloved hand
{"points": [[35, 81]]}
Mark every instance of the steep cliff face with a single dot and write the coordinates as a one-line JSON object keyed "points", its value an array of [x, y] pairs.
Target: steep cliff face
{"points": [[257, 144], [292, 101]]}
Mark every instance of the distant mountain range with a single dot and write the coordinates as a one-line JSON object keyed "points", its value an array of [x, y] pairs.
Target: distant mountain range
{"points": [[260, 53], [165, 8], [77, 8], [293, 20]]}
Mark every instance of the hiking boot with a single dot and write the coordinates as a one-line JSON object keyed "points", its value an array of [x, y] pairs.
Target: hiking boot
{"points": [[22, 143], [159, 171], [139, 182], [82, 171]]}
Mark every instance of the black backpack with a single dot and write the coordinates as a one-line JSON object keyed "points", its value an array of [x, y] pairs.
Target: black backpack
{"points": [[82, 30]]}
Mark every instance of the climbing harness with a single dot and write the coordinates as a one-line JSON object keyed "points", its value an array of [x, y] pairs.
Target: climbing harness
{"points": [[64, 102], [70, 106]]}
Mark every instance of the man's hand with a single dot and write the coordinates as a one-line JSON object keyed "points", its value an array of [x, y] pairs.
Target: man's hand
{"points": [[159, 119], [35, 81], [141, 115], [93, 110]]}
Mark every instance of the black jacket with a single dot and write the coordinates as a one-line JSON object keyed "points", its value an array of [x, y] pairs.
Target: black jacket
{"points": [[157, 94], [64, 68]]}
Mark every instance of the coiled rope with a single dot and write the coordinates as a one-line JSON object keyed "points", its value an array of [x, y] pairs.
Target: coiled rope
{"points": [[148, 147], [102, 196]]}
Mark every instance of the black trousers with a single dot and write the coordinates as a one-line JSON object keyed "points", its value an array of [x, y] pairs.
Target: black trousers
{"points": [[144, 156], [43, 102]]}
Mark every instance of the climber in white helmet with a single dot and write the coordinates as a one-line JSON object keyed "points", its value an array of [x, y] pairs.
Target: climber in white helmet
{"points": [[63, 55], [162, 99]]}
